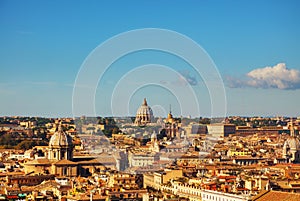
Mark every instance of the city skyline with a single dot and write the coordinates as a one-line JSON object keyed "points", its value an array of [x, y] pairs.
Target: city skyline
{"points": [[254, 46]]}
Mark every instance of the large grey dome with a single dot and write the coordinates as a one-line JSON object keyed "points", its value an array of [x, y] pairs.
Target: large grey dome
{"points": [[144, 114], [60, 139]]}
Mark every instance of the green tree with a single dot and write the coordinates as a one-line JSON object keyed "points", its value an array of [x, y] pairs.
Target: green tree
{"points": [[115, 130], [25, 145]]}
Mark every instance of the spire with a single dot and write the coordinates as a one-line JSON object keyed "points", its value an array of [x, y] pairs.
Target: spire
{"points": [[59, 127], [145, 102], [170, 116], [292, 131]]}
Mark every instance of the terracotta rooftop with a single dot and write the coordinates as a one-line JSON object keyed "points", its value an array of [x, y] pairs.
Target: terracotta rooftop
{"points": [[65, 162], [39, 162], [277, 196], [86, 197]]}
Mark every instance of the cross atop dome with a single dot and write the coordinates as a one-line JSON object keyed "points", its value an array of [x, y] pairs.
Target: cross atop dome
{"points": [[145, 102]]}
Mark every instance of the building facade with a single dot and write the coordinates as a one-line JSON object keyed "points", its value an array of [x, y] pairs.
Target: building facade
{"points": [[220, 130]]}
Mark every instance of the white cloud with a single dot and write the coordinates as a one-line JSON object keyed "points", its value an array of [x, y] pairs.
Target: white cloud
{"points": [[278, 76]]}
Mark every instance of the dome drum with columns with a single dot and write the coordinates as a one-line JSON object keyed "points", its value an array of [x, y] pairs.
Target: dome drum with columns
{"points": [[59, 159], [60, 146]]}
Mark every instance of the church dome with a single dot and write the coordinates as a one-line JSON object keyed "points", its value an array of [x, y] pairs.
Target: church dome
{"points": [[60, 139], [144, 114], [293, 143], [144, 109]]}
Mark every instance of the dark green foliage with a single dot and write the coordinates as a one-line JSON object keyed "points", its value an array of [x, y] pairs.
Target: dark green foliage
{"points": [[25, 145]]}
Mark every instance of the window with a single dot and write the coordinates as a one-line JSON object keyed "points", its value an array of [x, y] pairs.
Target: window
{"points": [[65, 172]]}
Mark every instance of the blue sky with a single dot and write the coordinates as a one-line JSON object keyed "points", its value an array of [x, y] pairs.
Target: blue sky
{"points": [[44, 43]]}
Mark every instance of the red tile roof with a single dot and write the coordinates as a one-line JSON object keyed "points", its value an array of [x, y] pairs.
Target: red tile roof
{"points": [[277, 196]]}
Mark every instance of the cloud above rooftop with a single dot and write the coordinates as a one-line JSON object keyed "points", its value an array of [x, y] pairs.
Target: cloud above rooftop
{"points": [[277, 76]]}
